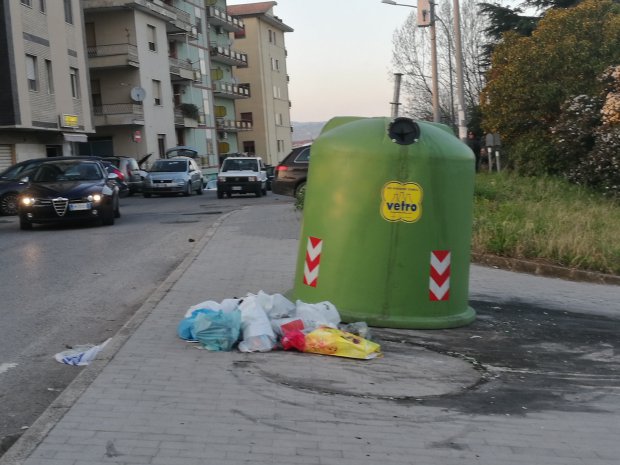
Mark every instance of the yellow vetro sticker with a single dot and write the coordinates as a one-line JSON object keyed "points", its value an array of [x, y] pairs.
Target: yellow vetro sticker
{"points": [[401, 201]]}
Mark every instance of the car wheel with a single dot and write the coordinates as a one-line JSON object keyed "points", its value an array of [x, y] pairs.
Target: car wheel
{"points": [[117, 211], [259, 192], [300, 189], [265, 190], [200, 189], [8, 204], [220, 195], [146, 196], [228, 194], [24, 224], [188, 190]]}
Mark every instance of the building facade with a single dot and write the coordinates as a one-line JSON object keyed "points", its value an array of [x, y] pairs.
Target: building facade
{"points": [[226, 91], [268, 108], [120, 77], [44, 93]]}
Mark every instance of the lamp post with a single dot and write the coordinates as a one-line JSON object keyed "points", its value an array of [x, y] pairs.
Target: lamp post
{"points": [[434, 79], [459, 63]]}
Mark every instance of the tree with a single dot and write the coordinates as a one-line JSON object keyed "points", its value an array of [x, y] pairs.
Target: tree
{"points": [[411, 56], [531, 77]]}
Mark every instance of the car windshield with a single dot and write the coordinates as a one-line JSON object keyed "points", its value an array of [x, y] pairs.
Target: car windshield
{"points": [[169, 166], [67, 171], [239, 165]]}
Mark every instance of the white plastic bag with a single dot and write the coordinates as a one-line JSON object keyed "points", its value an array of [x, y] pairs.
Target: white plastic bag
{"points": [[80, 355], [275, 305], [317, 315], [226, 305], [257, 335]]}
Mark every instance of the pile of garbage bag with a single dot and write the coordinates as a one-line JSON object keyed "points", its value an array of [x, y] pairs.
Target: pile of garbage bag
{"points": [[263, 322]]}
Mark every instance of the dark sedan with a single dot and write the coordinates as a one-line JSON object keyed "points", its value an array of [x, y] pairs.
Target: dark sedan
{"points": [[291, 173], [69, 190]]}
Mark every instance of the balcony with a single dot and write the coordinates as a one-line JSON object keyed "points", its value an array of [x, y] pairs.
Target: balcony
{"points": [[231, 91], [228, 125], [219, 18], [113, 56], [183, 70], [227, 56], [176, 20], [118, 114]]}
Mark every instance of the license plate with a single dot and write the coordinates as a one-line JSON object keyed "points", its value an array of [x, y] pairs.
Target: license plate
{"points": [[236, 188], [79, 206]]}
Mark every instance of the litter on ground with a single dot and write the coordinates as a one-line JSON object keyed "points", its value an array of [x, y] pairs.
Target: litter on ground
{"points": [[264, 322]]}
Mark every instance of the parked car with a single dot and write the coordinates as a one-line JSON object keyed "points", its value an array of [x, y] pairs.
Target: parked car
{"points": [[292, 172], [178, 175], [132, 174], [271, 170], [13, 181], [123, 187], [242, 175], [69, 190]]}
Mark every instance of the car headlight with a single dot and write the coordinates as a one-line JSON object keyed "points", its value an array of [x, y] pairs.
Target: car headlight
{"points": [[27, 201], [179, 181], [94, 198], [252, 178], [221, 179]]}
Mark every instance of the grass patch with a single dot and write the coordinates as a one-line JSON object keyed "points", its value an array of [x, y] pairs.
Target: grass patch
{"points": [[546, 219]]}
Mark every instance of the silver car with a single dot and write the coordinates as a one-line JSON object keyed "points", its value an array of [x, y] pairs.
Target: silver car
{"points": [[178, 175]]}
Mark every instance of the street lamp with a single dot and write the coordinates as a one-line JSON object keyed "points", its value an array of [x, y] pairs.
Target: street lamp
{"points": [[435, 83], [459, 61]]}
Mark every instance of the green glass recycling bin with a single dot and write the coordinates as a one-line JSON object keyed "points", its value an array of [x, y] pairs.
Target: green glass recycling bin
{"points": [[387, 223]]}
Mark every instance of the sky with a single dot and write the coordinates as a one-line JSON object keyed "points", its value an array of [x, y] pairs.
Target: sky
{"points": [[339, 56]]}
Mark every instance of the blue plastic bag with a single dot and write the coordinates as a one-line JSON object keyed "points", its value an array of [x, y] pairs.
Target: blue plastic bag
{"points": [[185, 326], [217, 330]]}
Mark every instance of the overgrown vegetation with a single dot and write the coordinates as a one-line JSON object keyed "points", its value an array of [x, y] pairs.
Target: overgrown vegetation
{"points": [[555, 95], [543, 219], [546, 219]]}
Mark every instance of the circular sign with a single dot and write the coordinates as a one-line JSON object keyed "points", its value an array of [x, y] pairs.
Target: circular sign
{"points": [[137, 136]]}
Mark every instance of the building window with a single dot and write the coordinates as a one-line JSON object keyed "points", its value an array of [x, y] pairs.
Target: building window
{"points": [[152, 36], [199, 25], [75, 82], [157, 92], [275, 64], [249, 147], [31, 73], [279, 119], [49, 76], [247, 117], [42, 6], [68, 12], [277, 93], [280, 145], [27, 3], [95, 91], [270, 36]]}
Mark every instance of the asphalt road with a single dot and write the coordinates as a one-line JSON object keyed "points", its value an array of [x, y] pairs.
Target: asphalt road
{"points": [[67, 285]]}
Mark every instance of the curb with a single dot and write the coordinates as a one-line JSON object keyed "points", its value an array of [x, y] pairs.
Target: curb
{"points": [[28, 442], [544, 269]]}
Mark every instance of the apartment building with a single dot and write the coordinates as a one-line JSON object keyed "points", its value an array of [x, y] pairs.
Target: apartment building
{"points": [[149, 78], [268, 108], [44, 93], [119, 77], [227, 92]]}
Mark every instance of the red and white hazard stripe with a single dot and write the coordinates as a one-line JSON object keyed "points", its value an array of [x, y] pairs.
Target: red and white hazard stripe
{"points": [[439, 285], [313, 258]]}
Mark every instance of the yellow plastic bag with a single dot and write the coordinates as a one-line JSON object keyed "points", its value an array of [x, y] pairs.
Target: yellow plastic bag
{"points": [[331, 341]]}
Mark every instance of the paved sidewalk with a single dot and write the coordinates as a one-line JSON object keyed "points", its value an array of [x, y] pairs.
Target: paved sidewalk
{"points": [[159, 400]]}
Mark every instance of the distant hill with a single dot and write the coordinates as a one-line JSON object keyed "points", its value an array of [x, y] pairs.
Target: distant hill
{"points": [[306, 132]]}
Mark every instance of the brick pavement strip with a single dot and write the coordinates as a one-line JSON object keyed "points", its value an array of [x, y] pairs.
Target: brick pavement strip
{"points": [[162, 401]]}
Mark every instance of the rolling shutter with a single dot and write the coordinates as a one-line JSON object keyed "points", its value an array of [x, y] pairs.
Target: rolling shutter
{"points": [[6, 156]]}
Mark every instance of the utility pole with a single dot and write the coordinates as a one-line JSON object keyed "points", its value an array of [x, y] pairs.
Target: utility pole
{"points": [[460, 94]]}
